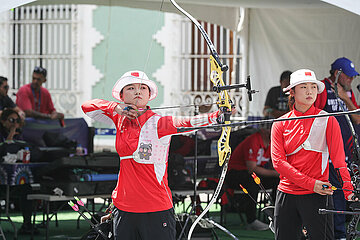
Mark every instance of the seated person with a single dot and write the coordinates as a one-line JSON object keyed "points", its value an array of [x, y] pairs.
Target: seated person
{"points": [[253, 155], [5, 100], [183, 145], [276, 103], [10, 129], [35, 100], [10, 125]]}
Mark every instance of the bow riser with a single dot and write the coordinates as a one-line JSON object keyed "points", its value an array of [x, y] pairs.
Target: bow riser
{"points": [[224, 149], [217, 69]]}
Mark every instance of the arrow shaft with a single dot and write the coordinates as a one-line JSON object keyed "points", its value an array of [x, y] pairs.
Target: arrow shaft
{"points": [[268, 121]]}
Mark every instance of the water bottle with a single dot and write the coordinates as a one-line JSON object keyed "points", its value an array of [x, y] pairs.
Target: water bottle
{"points": [[26, 155], [20, 155], [79, 150], [214, 148]]}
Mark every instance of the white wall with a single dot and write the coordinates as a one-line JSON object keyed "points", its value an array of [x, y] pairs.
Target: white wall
{"points": [[290, 39]]}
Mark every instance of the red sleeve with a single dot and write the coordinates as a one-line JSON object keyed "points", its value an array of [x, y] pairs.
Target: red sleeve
{"points": [[336, 152], [253, 148], [321, 100], [236, 156], [26, 101], [100, 110], [50, 106], [281, 165], [353, 99], [168, 125]]}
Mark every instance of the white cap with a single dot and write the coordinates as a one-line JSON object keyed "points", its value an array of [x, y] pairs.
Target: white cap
{"points": [[134, 77], [304, 76]]}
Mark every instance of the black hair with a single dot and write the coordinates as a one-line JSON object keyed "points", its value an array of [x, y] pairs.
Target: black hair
{"points": [[6, 113], [2, 80], [291, 100], [40, 70], [285, 75]]}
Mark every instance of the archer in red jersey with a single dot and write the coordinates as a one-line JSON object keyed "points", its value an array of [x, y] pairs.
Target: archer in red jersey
{"points": [[142, 197], [300, 151]]}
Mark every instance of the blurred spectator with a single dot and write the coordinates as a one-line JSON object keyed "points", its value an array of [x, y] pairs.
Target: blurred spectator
{"points": [[253, 155], [10, 125], [10, 129], [276, 103], [35, 100], [183, 145], [328, 101], [5, 100]]}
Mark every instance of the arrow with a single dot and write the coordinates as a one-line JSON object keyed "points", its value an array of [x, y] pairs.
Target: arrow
{"points": [[95, 227], [340, 189], [78, 200], [258, 182]]}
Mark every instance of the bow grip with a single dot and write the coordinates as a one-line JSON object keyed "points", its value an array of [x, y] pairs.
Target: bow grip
{"points": [[227, 113]]}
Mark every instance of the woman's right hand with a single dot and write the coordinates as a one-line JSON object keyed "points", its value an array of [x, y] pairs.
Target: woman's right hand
{"points": [[127, 110], [320, 189]]}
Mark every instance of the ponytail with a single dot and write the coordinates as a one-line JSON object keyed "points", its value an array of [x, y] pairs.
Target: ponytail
{"points": [[291, 101]]}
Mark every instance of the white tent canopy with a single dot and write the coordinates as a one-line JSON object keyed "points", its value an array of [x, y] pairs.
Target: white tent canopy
{"points": [[283, 34], [224, 12]]}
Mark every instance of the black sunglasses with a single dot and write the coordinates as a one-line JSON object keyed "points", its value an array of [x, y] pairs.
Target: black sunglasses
{"points": [[13, 120], [40, 70], [6, 87]]}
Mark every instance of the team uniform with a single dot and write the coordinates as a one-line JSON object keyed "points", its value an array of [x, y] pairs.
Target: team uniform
{"points": [[142, 196], [293, 144], [251, 149], [27, 98]]}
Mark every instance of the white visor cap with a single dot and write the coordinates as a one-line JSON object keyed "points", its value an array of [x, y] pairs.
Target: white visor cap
{"points": [[132, 77], [304, 76]]}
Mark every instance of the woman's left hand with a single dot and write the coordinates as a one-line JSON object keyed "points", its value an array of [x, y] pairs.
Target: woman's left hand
{"points": [[320, 189]]}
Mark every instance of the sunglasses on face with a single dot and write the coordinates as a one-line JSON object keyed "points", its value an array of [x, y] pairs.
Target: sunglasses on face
{"points": [[6, 87], [14, 120], [40, 70]]}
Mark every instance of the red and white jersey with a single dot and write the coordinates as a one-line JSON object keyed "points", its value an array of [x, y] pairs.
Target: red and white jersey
{"points": [[299, 171], [251, 149], [142, 186]]}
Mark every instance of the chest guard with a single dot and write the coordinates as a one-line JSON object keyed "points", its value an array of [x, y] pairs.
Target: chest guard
{"points": [[316, 140], [151, 149]]}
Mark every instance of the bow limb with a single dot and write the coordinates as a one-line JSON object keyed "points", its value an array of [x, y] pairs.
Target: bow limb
{"points": [[204, 34], [224, 149]]}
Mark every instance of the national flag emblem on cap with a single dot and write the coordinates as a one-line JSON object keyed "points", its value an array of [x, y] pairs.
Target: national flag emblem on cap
{"points": [[135, 74], [307, 73]]}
